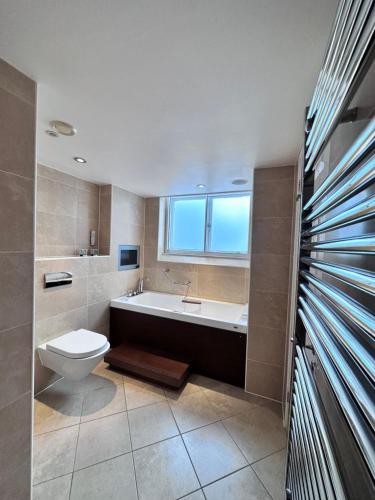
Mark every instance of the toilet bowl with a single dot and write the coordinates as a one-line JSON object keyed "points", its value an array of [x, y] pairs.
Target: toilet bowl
{"points": [[75, 354]]}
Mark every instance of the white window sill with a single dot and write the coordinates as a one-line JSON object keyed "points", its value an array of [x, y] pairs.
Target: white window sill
{"points": [[207, 261]]}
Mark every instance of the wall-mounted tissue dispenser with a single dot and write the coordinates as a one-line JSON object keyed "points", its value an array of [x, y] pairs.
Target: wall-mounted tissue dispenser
{"points": [[57, 279]]}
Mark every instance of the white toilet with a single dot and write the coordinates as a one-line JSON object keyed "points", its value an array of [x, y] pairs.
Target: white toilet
{"points": [[75, 354]]}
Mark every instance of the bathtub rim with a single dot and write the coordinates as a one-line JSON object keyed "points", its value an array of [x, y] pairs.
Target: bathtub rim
{"points": [[240, 326]]}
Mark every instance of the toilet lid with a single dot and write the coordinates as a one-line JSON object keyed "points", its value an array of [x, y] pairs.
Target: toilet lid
{"points": [[78, 344]]}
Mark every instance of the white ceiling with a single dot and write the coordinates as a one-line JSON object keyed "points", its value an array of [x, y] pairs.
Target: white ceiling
{"points": [[167, 94]]}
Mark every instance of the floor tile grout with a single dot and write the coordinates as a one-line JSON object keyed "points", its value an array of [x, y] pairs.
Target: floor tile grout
{"points": [[131, 443], [170, 402], [75, 455], [188, 454]]}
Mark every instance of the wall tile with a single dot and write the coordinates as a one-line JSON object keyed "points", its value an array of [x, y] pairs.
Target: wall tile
{"points": [[15, 456], [270, 272], [264, 379], [268, 309], [101, 287], [15, 363], [52, 301], [56, 198], [43, 377], [273, 174], [16, 297], [17, 174], [16, 213], [98, 315], [221, 287], [266, 345], [273, 207], [54, 230], [272, 235], [17, 83], [56, 175], [273, 199], [52, 326], [102, 265], [88, 203], [17, 139], [83, 228]]}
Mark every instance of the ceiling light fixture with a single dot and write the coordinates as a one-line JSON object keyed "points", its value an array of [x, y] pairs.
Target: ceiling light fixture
{"points": [[79, 159], [62, 128], [239, 182], [201, 186]]}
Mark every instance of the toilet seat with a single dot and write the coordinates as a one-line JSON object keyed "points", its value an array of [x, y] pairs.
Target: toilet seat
{"points": [[78, 344]]}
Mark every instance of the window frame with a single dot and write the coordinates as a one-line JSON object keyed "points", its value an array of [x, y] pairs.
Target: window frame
{"points": [[207, 227]]}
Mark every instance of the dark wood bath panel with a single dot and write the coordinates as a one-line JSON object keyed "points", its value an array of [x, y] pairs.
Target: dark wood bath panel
{"points": [[215, 353]]}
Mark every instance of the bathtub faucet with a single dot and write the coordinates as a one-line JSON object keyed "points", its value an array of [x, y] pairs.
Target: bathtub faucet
{"points": [[136, 291]]}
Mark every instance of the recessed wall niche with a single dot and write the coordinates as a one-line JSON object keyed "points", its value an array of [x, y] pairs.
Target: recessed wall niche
{"points": [[68, 209]]}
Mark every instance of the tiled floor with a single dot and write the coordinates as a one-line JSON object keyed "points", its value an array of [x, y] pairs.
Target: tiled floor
{"points": [[116, 437]]}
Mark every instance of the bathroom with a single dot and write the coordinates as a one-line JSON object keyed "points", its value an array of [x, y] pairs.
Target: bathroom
{"points": [[159, 290]]}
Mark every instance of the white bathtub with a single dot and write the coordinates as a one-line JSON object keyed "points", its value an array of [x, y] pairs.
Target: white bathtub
{"points": [[223, 315]]}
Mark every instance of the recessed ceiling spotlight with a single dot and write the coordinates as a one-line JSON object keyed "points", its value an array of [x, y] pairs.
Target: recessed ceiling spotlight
{"points": [[201, 186], [52, 133], [239, 182], [63, 128], [79, 159]]}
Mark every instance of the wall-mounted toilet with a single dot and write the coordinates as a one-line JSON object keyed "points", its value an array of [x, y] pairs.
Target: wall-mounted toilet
{"points": [[75, 354]]}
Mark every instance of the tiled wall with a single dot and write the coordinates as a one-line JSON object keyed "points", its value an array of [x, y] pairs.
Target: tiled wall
{"points": [[85, 303], [273, 210], [67, 210], [17, 172], [105, 209], [229, 284]]}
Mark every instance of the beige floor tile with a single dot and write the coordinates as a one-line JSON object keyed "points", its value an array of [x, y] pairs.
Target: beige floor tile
{"points": [[102, 402], [150, 424], [213, 452], [242, 485], [258, 433], [90, 383], [229, 403], [103, 370], [164, 471], [139, 393], [56, 489], [193, 411], [186, 390], [53, 411], [203, 382], [54, 454], [197, 495], [102, 439], [271, 471], [110, 480]]}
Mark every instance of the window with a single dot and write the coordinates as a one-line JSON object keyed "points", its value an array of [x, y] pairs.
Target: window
{"points": [[215, 224]]}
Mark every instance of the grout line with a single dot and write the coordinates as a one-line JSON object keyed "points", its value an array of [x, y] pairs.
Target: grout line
{"points": [[227, 475], [267, 456], [131, 441], [53, 478], [169, 402], [255, 472], [188, 454], [261, 482], [191, 493], [75, 454], [17, 175]]}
